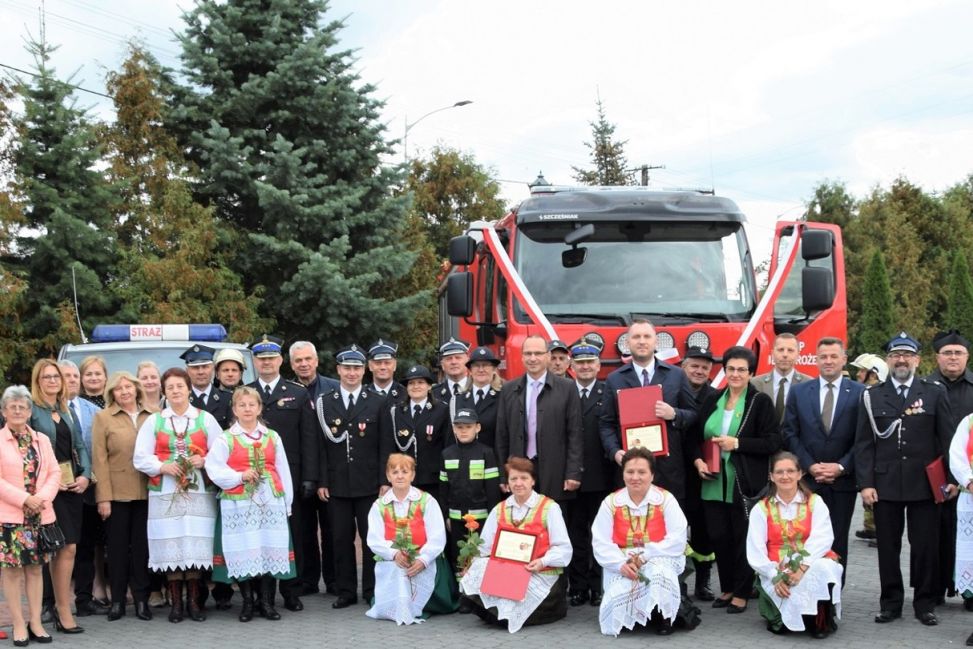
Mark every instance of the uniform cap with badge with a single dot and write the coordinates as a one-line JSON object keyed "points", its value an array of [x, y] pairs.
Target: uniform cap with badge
{"points": [[352, 356], [267, 346], [382, 350], [557, 344], [453, 346], [585, 350], [466, 416], [482, 355], [198, 355], [903, 342], [951, 337], [417, 372]]}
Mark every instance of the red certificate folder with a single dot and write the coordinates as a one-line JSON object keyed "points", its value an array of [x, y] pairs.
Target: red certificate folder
{"points": [[936, 474], [711, 455], [508, 577], [637, 421]]}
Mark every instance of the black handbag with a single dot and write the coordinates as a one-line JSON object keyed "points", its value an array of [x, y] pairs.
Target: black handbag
{"points": [[50, 538], [749, 502]]}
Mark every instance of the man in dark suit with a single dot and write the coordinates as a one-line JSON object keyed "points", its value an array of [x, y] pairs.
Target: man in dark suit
{"points": [[453, 357], [318, 557], [904, 425], [539, 417], [677, 407], [287, 411], [351, 420], [584, 573], [381, 364], [820, 422], [778, 382]]}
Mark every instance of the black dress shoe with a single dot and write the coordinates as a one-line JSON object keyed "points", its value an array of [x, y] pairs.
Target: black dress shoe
{"points": [[865, 534], [719, 602], [819, 634], [21, 643], [331, 589], [39, 639], [91, 607], [704, 594], [664, 628], [116, 612], [142, 611], [579, 598], [47, 614], [595, 598], [344, 602], [928, 618], [293, 603], [60, 628], [968, 604], [223, 604], [465, 606], [887, 616], [733, 609], [969, 641], [308, 589]]}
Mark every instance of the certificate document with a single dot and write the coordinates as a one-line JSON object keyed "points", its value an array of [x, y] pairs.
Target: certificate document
{"points": [[514, 546]]}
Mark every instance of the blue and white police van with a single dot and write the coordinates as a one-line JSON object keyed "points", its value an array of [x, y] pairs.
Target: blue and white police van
{"points": [[124, 346]]}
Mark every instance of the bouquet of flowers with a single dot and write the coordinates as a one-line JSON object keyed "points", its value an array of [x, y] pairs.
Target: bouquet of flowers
{"points": [[189, 478], [403, 540], [258, 462], [636, 561], [790, 563], [469, 548]]}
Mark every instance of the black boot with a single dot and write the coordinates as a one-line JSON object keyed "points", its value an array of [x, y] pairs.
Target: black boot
{"points": [[194, 600], [703, 592], [246, 592], [176, 613], [268, 590]]}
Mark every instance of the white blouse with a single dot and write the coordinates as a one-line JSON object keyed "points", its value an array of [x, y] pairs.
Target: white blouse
{"points": [[226, 478], [817, 544], [560, 552], [432, 517], [959, 461], [610, 556], [145, 459]]}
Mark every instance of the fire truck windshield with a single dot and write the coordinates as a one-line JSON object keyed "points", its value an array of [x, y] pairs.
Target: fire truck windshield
{"points": [[686, 271]]}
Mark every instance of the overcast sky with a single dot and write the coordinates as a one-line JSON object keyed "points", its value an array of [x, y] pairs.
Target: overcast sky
{"points": [[761, 100]]}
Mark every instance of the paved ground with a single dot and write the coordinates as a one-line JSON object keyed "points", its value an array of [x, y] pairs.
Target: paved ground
{"points": [[321, 626]]}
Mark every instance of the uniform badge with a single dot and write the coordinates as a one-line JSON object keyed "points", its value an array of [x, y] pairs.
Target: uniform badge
{"points": [[404, 432], [361, 429], [337, 421], [429, 431], [283, 388], [493, 393], [284, 402], [428, 406], [216, 397]]}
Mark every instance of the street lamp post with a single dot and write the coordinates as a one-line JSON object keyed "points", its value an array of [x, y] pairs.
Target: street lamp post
{"points": [[409, 125]]}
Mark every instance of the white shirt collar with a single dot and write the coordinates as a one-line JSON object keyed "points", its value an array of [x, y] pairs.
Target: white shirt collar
{"points": [[908, 383], [272, 384], [450, 383], [531, 500], [237, 429], [206, 392], [650, 368], [542, 379], [778, 376], [798, 498], [191, 413], [387, 387], [345, 393], [413, 495], [421, 404], [654, 496]]}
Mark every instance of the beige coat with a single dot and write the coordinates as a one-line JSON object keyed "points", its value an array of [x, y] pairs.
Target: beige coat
{"points": [[112, 446]]}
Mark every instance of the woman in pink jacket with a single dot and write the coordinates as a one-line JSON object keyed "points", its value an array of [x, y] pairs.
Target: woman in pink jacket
{"points": [[29, 481]]}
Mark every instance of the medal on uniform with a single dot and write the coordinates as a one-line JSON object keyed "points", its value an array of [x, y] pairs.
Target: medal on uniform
{"points": [[429, 429], [337, 422], [361, 429]]}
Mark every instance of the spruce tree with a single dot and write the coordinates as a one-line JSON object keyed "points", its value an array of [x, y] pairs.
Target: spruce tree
{"points": [[876, 325], [289, 144], [607, 155], [959, 310], [66, 210]]}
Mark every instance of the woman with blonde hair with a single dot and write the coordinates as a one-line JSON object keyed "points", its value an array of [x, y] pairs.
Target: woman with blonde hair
{"points": [[50, 416], [94, 373], [121, 492], [150, 378]]}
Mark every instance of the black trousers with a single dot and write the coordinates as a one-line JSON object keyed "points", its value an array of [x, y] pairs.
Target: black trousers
{"points": [[727, 525], [128, 550], [318, 554], [923, 525], [841, 506], [947, 546], [295, 587], [349, 515], [584, 573], [92, 535]]}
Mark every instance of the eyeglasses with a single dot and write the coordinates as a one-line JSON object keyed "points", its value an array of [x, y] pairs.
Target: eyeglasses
{"points": [[533, 353], [51, 377], [13, 407], [785, 471], [737, 370], [954, 353], [895, 355]]}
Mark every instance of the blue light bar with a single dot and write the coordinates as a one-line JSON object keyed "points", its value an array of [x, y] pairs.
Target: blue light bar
{"points": [[115, 333]]}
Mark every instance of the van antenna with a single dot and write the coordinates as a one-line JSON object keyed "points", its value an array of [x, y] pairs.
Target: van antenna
{"points": [[77, 312]]}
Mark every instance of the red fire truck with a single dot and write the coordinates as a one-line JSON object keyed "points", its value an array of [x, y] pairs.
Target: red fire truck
{"points": [[572, 261]]}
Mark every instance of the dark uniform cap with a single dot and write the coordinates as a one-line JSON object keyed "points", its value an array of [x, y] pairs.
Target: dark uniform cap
{"points": [[198, 355], [482, 355], [902, 343], [700, 352], [585, 350], [351, 356], [557, 344], [466, 416], [417, 372], [951, 337], [453, 346], [268, 346], [382, 350]]}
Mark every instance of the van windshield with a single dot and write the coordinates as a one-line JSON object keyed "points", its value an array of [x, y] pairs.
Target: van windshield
{"points": [[686, 270]]}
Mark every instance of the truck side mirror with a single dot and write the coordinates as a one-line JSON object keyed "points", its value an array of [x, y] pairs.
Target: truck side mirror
{"points": [[462, 250], [816, 244], [817, 288], [459, 292]]}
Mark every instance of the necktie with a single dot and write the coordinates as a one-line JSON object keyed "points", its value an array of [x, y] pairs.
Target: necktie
{"points": [[645, 377], [903, 392], [781, 393], [584, 394], [535, 388], [202, 399], [828, 410], [479, 396], [382, 392], [455, 389], [351, 401], [416, 411], [267, 389], [74, 413]]}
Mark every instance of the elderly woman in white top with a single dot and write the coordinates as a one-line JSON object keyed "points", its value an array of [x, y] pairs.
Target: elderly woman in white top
{"points": [[639, 539], [529, 512], [404, 580], [961, 466], [170, 449], [789, 547]]}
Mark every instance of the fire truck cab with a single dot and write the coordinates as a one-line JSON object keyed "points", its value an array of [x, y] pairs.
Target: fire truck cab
{"points": [[587, 261]]}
